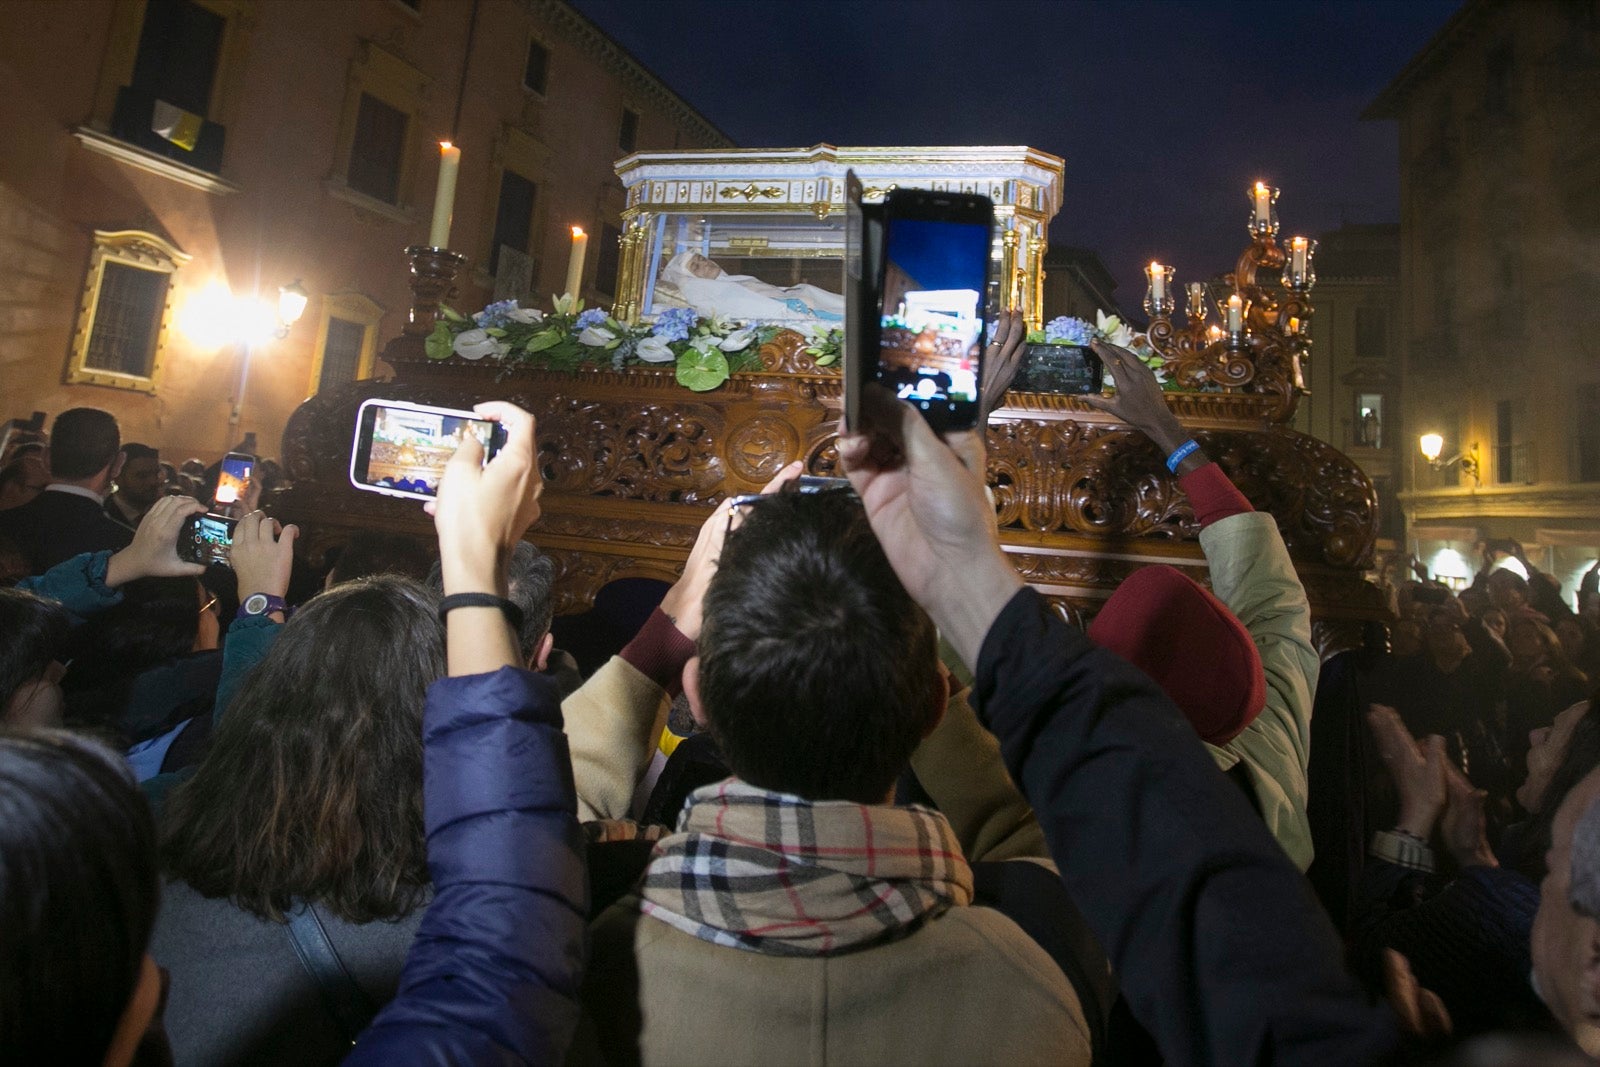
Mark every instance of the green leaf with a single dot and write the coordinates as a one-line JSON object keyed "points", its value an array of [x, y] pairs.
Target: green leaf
{"points": [[451, 314], [494, 331], [541, 341], [702, 371], [827, 360], [440, 343]]}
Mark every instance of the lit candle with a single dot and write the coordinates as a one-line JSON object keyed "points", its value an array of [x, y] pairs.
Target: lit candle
{"points": [[1294, 325], [1235, 313], [444, 198], [1263, 199], [1158, 282], [1297, 255], [580, 248]]}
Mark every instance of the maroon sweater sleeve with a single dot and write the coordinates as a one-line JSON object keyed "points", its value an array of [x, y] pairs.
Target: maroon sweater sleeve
{"points": [[1213, 496], [659, 652]]}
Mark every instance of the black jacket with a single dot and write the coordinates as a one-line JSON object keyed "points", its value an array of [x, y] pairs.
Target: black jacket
{"points": [[55, 526], [1221, 949]]}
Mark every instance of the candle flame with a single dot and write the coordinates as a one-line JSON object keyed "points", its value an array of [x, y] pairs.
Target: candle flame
{"points": [[1156, 268], [577, 231], [444, 145], [1298, 243], [1261, 188]]}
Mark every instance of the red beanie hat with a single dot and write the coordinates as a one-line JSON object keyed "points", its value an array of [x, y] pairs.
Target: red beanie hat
{"points": [[1190, 645]]}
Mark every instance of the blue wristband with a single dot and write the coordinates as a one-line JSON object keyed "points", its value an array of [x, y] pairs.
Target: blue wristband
{"points": [[1181, 453]]}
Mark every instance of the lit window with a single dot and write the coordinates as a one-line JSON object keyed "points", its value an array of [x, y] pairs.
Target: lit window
{"points": [[123, 313], [347, 340]]}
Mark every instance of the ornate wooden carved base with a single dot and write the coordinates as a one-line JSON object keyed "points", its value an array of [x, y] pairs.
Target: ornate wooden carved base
{"points": [[632, 463]]}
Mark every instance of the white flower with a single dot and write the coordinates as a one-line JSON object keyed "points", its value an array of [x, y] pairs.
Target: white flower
{"points": [[475, 344], [1113, 329], [736, 340], [526, 316], [654, 350], [596, 337]]}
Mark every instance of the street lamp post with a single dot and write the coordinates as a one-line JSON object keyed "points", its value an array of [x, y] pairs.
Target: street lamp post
{"points": [[292, 300]]}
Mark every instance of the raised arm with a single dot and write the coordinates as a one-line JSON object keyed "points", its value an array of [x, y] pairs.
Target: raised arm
{"points": [[493, 974], [92, 581]]}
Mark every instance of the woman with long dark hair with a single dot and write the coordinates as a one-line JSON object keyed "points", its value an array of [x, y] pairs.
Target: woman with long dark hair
{"points": [[79, 887], [307, 809]]}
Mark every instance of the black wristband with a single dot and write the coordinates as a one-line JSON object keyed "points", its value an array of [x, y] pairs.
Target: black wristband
{"points": [[512, 613]]}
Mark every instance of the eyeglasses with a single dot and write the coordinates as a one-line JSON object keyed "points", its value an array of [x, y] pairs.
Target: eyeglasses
{"points": [[209, 605]]}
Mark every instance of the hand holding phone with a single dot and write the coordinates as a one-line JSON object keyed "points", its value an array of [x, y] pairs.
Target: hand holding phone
{"points": [[207, 539], [155, 551], [401, 449], [262, 555]]}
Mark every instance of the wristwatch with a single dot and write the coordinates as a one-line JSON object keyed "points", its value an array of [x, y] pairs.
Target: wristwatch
{"points": [[257, 604]]}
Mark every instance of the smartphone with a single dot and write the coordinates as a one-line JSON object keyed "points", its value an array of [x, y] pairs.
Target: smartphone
{"points": [[863, 251], [207, 539], [1061, 369], [400, 449], [233, 480], [933, 300], [806, 483]]}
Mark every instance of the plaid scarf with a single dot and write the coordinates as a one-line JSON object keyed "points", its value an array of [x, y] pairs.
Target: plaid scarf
{"points": [[773, 873]]}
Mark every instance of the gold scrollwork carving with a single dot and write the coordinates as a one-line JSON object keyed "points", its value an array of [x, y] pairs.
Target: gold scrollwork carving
{"points": [[751, 191]]}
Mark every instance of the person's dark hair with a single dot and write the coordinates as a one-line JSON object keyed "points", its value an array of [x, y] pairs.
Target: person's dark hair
{"points": [[134, 450], [36, 632], [370, 552], [530, 576], [15, 472], [83, 442], [312, 787], [1431, 593], [1509, 578], [1582, 755], [816, 666], [79, 891], [157, 619]]}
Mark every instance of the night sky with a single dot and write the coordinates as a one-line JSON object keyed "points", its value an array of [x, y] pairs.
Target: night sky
{"points": [[1164, 112]]}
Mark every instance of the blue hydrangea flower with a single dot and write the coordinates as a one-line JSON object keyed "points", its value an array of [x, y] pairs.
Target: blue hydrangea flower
{"points": [[1067, 330], [586, 319], [495, 314], [674, 324]]}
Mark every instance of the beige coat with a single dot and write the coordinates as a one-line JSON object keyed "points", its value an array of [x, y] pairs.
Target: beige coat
{"points": [[969, 987]]}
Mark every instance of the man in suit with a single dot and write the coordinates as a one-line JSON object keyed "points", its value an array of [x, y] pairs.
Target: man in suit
{"points": [[67, 518], [138, 485]]}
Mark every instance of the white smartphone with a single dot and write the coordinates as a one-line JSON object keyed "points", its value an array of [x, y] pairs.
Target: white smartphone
{"points": [[400, 449]]}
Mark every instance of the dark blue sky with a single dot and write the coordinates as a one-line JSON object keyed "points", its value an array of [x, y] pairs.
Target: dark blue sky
{"points": [[1164, 111]]}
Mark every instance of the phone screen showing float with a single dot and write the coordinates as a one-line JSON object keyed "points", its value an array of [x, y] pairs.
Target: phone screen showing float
{"points": [[401, 449]]}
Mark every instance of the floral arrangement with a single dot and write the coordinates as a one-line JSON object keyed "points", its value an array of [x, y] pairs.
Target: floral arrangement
{"points": [[705, 352], [1070, 330]]}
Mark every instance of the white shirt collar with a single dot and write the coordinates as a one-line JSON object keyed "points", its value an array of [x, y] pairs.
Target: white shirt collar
{"points": [[75, 490]]}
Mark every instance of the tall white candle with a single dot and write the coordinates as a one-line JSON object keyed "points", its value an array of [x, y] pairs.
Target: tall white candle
{"points": [[1263, 201], [580, 248], [1158, 282], [1297, 255], [444, 198], [1235, 313]]}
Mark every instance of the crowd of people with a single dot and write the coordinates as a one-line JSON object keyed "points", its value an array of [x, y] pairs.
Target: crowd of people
{"points": [[853, 792]]}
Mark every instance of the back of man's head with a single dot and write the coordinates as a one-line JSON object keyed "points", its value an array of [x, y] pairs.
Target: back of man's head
{"points": [[83, 442], [817, 669]]}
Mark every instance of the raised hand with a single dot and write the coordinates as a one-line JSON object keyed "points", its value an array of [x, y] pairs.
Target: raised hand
{"points": [[1417, 767], [154, 551], [1464, 828], [932, 518], [1001, 361], [1138, 401], [683, 601], [483, 510], [262, 555]]}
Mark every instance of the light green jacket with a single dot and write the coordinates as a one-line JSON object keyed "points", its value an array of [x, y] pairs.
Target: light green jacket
{"points": [[1252, 574]]}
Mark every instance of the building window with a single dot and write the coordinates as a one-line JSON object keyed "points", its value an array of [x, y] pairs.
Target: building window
{"points": [[513, 217], [1589, 432], [536, 74], [608, 259], [123, 312], [179, 49], [347, 340], [378, 149], [378, 146], [628, 134], [1369, 420], [1372, 333]]}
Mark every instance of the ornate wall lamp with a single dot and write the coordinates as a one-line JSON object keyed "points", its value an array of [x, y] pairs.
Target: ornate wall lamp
{"points": [[1432, 445]]}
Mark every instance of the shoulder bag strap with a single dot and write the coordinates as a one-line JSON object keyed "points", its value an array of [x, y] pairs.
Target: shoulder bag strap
{"points": [[351, 1009]]}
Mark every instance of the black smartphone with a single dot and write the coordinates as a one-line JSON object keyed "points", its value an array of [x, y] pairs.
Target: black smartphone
{"points": [[933, 300], [233, 480], [400, 449], [207, 539], [806, 483], [1069, 370], [863, 254]]}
